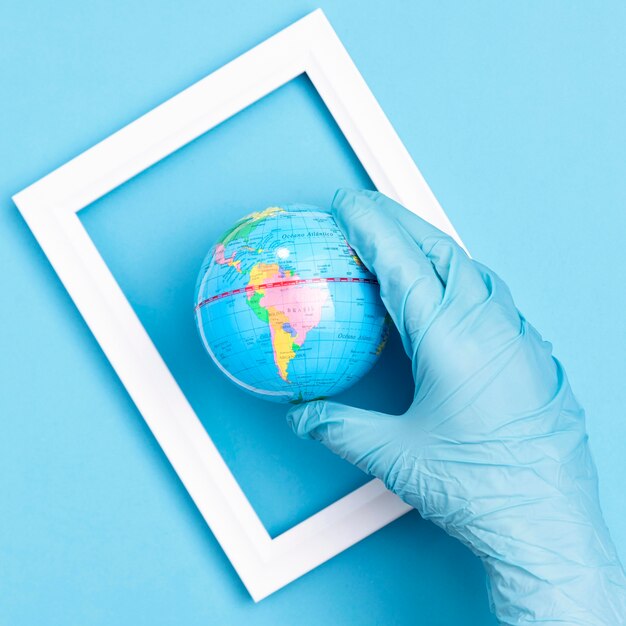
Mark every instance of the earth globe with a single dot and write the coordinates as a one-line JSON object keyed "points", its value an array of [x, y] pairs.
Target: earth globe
{"points": [[286, 309]]}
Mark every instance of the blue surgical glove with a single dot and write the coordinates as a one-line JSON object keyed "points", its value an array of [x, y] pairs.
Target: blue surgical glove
{"points": [[493, 448]]}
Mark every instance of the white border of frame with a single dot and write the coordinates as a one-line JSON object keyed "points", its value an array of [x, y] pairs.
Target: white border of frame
{"points": [[49, 206]]}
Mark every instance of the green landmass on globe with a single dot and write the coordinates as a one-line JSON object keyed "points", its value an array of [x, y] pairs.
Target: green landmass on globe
{"points": [[286, 309]]}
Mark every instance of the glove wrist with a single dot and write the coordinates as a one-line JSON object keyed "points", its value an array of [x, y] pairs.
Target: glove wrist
{"points": [[590, 596]]}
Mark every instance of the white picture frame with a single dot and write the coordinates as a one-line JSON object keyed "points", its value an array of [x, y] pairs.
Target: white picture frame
{"points": [[309, 46]]}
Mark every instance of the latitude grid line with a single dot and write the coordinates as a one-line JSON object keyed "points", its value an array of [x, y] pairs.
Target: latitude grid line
{"points": [[286, 283]]}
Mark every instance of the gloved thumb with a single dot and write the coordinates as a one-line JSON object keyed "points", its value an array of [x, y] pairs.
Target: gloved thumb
{"points": [[360, 436]]}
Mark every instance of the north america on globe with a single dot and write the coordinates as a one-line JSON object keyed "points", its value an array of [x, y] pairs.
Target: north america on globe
{"points": [[286, 309]]}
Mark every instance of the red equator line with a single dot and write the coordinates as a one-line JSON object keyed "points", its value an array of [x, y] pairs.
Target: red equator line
{"points": [[284, 283]]}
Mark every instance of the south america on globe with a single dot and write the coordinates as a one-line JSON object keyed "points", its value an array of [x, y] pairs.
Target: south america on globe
{"points": [[286, 309]]}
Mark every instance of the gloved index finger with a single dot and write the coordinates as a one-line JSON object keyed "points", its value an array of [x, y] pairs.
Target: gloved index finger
{"points": [[409, 285], [439, 247], [443, 252]]}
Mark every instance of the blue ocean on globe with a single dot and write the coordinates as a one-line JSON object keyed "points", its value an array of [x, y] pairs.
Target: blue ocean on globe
{"points": [[286, 309]]}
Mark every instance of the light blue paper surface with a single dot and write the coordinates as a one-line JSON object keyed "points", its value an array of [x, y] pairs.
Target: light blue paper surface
{"points": [[516, 116]]}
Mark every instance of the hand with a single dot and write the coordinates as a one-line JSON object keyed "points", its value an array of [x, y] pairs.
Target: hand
{"points": [[493, 448]]}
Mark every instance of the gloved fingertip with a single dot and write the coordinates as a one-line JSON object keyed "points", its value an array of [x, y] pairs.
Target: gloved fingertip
{"points": [[303, 418], [352, 209], [343, 196]]}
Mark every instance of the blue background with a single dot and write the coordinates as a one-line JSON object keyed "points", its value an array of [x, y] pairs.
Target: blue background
{"points": [[515, 113]]}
